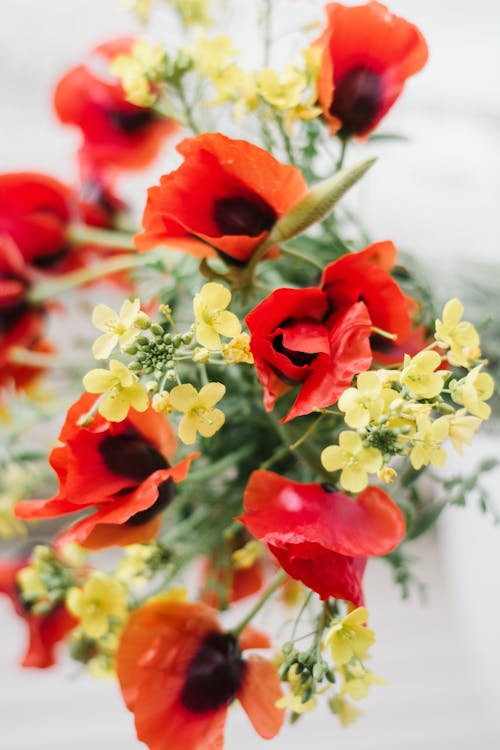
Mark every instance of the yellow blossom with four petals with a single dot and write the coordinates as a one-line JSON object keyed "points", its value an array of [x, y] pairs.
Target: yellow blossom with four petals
{"points": [[367, 401], [457, 335], [212, 318], [354, 458], [122, 390], [101, 598], [462, 428], [472, 391], [427, 440], [198, 409], [419, 374], [348, 637], [118, 328]]}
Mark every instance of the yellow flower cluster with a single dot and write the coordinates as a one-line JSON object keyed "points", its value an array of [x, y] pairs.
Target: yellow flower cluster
{"points": [[391, 411], [98, 605], [121, 390], [139, 71], [212, 318], [198, 408]]}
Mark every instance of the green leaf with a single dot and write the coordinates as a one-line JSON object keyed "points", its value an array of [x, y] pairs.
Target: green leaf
{"points": [[425, 520]]}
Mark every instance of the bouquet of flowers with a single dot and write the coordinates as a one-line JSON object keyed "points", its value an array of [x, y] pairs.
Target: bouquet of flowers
{"points": [[272, 390]]}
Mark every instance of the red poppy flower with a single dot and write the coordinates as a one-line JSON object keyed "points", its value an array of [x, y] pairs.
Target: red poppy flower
{"points": [[364, 276], [368, 53], [179, 672], [223, 199], [115, 133], [44, 631], [320, 536], [296, 340], [130, 484], [34, 213]]}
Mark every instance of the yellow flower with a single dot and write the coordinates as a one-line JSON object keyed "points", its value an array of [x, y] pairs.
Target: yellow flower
{"points": [[161, 402], [246, 556], [354, 459], [122, 390], [101, 598], [387, 474], [367, 401], [357, 680], [281, 91], [137, 70], [198, 409], [462, 429], [211, 315], [427, 438], [419, 377], [457, 335], [293, 700], [348, 637], [192, 12], [237, 350], [211, 56], [472, 391], [118, 328], [346, 712], [31, 584], [141, 8]]}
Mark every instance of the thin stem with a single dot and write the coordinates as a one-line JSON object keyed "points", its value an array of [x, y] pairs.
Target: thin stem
{"points": [[217, 468], [300, 256], [19, 355], [343, 151], [280, 578], [300, 613], [306, 434], [287, 141], [42, 292], [80, 234], [188, 110], [384, 334]]}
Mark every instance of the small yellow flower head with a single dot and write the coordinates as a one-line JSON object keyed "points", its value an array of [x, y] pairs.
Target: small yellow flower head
{"points": [[419, 375], [238, 350], [141, 8], [193, 12], [281, 91], [472, 391], [354, 459], [246, 556], [138, 70], [198, 409], [122, 390], [346, 712], [211, 56], [293, 700], [101, 598], [14, 483], [118, 328], [31, 584], [387, 474], [367, 401], [462, 429], [357, 680], [348, 637], [457, 335], [212, 318], [427, 439], [161, 403]]}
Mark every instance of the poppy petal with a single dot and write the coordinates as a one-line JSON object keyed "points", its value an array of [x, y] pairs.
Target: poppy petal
{"points": [[258, 695]]}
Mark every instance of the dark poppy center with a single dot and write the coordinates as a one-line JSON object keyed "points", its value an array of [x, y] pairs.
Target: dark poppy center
{"points": [[131, 456], [166, 491], [357, 100], [300, 359], [243, 216], [11, 315], [131, 123], [51, 259], [381, 344], [214, 675]]}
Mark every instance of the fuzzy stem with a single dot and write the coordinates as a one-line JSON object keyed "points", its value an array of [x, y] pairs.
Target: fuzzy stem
{"points": [[81, 234]]}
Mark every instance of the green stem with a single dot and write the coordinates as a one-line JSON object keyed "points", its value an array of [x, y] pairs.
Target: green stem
{"points": [[81, 234], [343, 151], [188, 111], [217, 468], [306, 434], [49, 289], [300, 256], [287, 141], [279, 579]]}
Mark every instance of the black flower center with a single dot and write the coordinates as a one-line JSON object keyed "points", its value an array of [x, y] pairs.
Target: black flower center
{"points": [[11, 315], [214, 675], [131, 123], [300, 359], [131, 456], [243, 216], [166, 491], [357, 100]]}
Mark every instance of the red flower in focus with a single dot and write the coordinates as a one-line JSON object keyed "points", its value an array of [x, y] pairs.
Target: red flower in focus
{"points": [[34, 213], [223, 199], [44, 631], [131, 480], [320, 536], [115, 133], [368, 53], [297, 340], [21, 322], [179, 672]]}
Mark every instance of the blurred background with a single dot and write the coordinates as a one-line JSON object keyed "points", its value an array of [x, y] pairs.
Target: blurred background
{"points": [[436, 195]]}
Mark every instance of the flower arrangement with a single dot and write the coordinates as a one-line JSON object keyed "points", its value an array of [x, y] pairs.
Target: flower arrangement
{"points": [[270, 393]]}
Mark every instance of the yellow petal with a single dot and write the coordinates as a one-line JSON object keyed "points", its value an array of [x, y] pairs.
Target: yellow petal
{"points": [[98, 381], [184, 397], [188, 428], [211, 393], [350, 441], [332, 458], [122, 373], [103, 316], [228, 324], [104, 345], [95, 624], [208, 428], [215, 296], [207, 336], [74, 601], [129, 311], [114, 407], [137, 396], [353, 479]]}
